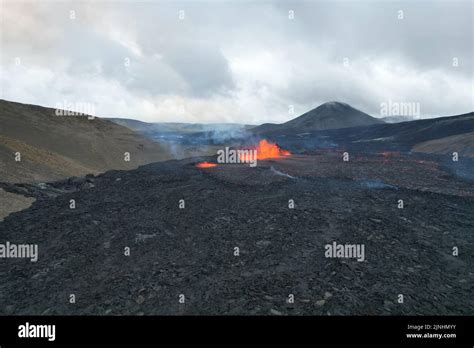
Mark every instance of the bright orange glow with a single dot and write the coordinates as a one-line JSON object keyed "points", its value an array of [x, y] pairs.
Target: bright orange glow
{"points": [[206, 165], [265, 150]]}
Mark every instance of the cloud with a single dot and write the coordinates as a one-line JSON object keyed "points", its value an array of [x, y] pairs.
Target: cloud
{"points": [[202, 65], [238, 62]]}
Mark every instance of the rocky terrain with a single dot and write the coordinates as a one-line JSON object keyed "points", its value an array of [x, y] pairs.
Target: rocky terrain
{"points": [[281, 251], [233, 239]]}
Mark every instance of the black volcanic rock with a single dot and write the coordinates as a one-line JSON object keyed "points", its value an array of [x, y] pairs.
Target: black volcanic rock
{"points": [[190, 251], [331, 115]]}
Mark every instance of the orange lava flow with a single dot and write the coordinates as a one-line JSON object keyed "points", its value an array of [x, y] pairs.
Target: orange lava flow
{"points": [[206, 165], [265, 150]]}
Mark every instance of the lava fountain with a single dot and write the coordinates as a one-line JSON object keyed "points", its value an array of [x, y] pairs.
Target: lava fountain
{"points": [[265, 150]]}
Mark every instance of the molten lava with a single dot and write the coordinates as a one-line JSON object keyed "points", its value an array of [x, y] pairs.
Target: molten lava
{"points": [[265, 150], [206, 165]]}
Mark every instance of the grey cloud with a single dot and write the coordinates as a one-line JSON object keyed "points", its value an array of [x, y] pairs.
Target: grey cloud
{"points": [[211, 63], [203, 67]]}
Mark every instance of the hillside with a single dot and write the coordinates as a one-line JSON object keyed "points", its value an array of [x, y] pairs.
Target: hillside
{"points": [[463, 144], [403, 136], [54, 147], [159, 128], [331, 115]]}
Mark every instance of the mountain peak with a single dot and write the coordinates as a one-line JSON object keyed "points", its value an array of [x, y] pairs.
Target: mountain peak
{"points": [[335, 104], [330, 115]]}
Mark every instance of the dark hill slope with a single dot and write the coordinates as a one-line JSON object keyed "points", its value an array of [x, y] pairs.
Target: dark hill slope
{"points": [[54, 147], [331, 115]]}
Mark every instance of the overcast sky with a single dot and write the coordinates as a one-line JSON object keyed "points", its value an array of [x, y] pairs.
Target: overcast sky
{"points": [[237, 61]]}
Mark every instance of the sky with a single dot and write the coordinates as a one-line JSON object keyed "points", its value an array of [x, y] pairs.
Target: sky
{"points": [[237, 61]]}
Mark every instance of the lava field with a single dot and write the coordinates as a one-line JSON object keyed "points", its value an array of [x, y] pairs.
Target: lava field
{"points": [[237, 240]]}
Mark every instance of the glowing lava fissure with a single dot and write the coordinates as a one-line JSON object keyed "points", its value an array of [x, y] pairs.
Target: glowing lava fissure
{"points": [[266, 149], [263, 150], [206, 165]]}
